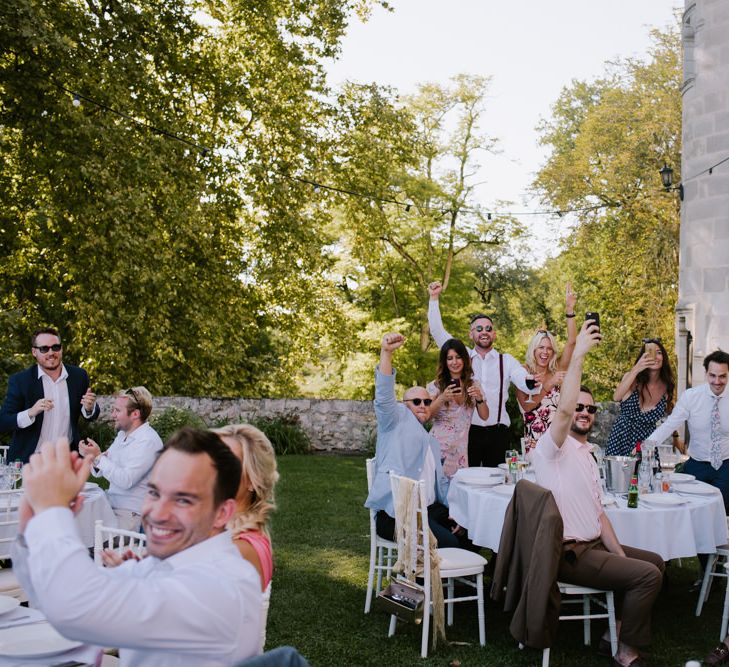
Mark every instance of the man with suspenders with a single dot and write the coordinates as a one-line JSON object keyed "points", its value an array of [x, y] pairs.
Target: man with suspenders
{"points": [[487, 440]]}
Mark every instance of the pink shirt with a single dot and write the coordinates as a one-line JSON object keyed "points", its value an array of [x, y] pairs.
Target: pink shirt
{"points": [[262, 546], [571, 474]]}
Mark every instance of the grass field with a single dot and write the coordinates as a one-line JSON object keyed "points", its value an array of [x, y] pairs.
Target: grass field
{"points": [[321, 552]]}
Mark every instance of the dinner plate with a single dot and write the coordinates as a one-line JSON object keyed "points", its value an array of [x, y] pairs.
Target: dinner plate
{"points": [[33, 641], [661, 499], [682, 477], [607, 501], [694, 489], [90, 486], [483, 476], [8, 603]]}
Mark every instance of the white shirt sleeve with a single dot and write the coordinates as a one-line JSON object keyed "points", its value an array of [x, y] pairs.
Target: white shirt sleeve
{"points": [[517, 373], [435, 322], [24, 419], [191, 611], [138, 459], [675, 420]]}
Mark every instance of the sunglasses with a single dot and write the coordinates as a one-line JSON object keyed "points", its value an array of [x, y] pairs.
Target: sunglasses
{"points": [[45, 349], [544, 332], [417, 401], [591, 409], [482, 327], [651, 340], [133, 394]]}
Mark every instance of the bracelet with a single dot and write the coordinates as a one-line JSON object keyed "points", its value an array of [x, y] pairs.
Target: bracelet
{"points": [[569, 315], [479, 402]]}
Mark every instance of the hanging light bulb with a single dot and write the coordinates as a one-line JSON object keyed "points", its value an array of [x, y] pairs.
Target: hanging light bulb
{"points": [[76, 100], [317, 189]]}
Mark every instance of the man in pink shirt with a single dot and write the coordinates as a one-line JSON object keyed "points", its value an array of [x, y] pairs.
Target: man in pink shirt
{"points": [[593, 556]]}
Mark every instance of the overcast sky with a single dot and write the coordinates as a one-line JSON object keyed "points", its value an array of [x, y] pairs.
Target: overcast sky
{"points": [[531, 48]]}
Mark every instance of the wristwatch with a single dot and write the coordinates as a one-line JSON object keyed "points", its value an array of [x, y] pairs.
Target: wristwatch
{"points": [[478, 402]]}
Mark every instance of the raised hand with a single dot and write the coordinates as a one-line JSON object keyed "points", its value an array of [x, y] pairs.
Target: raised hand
{"points": [[434, 289], [88, 400], [391, 341], [53, 477], [588, 338], [570, 298]]}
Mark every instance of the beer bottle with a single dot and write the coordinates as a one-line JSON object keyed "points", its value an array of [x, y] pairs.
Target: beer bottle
{"points": [[633, 491]]}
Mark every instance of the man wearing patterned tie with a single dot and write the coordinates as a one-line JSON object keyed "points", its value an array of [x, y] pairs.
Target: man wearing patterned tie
{"points": [[706, 411]]}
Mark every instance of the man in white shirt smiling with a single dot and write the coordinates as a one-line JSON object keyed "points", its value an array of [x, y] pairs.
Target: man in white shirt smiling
{"points": [[706, 411], [193, 602], [488, 439], [127, 462]]}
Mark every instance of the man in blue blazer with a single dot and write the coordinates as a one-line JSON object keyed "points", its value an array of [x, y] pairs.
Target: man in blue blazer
{"points": [[44, 402]]}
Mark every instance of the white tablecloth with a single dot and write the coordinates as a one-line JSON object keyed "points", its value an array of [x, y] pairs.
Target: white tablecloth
{"points": [[96, 506], [698, 526]]}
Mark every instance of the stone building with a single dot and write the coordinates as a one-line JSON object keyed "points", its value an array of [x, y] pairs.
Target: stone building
{"points": [[702, 311]]}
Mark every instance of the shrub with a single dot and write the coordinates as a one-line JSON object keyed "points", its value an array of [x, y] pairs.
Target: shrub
{"points": [[285, 433], [171, 419]]}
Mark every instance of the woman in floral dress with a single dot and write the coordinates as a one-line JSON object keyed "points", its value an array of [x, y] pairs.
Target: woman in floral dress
{"points": [[548, 369], [455, 396]]}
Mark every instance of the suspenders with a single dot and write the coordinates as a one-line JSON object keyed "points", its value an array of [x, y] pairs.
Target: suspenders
{"points": [[501, 386]]}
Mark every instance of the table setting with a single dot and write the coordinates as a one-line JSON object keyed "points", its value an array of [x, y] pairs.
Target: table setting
{"points": [[687, 520], [26, 638]]}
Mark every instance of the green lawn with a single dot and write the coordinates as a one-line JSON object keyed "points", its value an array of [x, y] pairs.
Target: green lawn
{"points": [[321, 552]]}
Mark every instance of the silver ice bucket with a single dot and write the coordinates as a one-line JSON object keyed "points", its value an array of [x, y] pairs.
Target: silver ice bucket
{"points": [[618, 471]]}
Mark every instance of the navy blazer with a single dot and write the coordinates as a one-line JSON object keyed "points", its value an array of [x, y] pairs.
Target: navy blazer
{"points": [[24, 389]]}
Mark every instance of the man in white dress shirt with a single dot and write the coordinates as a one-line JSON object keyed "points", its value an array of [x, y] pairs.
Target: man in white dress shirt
{"points": [[193, 602], [706, 411], [487, 440], [127, 462]]}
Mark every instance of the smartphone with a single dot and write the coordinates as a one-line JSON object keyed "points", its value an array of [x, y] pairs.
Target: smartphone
{"points": [[455, 382], [651, 349], [593, 316]]}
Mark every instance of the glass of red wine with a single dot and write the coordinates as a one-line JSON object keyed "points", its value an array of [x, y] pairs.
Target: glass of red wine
{"points": [[531, 384]]}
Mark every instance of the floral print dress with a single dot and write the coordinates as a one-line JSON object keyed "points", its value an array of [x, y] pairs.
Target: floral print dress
{"points": [[538, 419], [450, 429]]}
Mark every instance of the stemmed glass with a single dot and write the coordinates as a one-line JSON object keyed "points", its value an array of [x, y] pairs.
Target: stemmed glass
{"points": [[531, 383]]}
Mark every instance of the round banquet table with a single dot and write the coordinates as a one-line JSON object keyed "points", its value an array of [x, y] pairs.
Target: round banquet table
{"points": [[699, 525], [96, 506]]}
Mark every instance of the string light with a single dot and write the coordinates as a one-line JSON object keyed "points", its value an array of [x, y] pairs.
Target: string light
{"points": [[205, 151]]}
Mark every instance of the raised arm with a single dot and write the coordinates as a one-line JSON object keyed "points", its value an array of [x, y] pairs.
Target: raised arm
{"points": [[385, 403], [588, 337], [435, 322], [569, 348], [627, 384]]}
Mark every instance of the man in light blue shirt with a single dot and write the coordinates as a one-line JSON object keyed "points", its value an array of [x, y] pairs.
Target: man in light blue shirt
{"points": [[406, 448]]}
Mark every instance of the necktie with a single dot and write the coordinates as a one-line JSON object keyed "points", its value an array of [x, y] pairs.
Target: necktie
{"points": [[716, 460]]}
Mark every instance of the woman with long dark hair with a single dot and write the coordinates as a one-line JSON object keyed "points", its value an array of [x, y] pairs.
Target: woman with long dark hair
{"points": [[646, 396], [455, 396]]}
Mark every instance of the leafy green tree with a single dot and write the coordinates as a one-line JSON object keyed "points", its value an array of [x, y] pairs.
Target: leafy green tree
{"points": [[192, 266], [608, 140]]}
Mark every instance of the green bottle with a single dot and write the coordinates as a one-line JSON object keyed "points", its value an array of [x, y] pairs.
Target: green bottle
{"points": [[633, 492]]}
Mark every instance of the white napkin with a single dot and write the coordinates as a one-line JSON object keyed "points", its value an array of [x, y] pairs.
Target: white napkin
{"points": [[20, 616]]}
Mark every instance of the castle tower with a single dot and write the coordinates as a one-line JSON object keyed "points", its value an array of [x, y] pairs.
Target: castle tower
{"points": [[702, 311]]}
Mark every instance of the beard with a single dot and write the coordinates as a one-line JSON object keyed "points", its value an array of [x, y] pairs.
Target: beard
{"points": [[580, 430]]}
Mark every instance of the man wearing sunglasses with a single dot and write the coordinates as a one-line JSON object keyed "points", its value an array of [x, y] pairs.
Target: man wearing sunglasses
{"points": [[488, 439], [44, 402], [406, 448], [592, 555]]}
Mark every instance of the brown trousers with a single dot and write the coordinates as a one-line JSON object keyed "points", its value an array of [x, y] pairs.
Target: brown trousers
{"points": [[635, 579]]}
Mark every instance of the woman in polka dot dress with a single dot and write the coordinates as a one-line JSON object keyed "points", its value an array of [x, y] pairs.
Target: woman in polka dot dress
{"points": [[646, 396]]}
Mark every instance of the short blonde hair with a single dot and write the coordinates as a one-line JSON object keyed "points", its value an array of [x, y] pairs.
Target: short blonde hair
{"points": [[138, 398], [531, 362], [259, 466]]}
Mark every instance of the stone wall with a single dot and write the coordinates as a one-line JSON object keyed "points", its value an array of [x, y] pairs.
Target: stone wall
{"points": [[332, 425]]}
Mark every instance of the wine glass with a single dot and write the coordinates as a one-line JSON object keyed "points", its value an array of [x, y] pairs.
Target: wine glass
{"points": [[531, 383]]}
